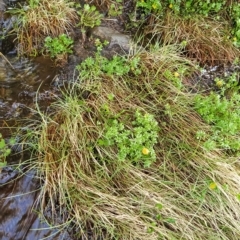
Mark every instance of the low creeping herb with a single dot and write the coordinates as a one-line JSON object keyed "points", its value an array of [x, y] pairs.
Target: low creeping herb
{"points": [[119, 65], [116, 8], [221, 110], [149, 5], [58, 46], [135, 144], [88, 16], [5, 150], [235, 16], [189, 7]]}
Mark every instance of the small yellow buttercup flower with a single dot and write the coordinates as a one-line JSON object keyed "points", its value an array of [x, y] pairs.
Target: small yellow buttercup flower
{"points": [[219, 83], [145, 151], [234, 39], [176, 74], [154, 6], [212, 185], [170, 6]]}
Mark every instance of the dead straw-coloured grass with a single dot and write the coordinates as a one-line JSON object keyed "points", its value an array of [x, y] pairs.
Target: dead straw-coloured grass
{"points": [[47, 18], [117, 200], [205, 40]]}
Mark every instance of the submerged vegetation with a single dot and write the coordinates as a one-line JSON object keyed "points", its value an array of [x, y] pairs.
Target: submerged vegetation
{"points": [[128, 152]]}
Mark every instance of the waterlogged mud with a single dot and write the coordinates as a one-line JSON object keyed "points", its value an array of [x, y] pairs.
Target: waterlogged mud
{"points": [[204, 80]]}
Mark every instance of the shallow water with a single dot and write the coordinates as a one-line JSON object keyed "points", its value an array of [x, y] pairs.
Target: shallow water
{"points": [[21, 85], [19, 219], [23, 82], [30, 81]]}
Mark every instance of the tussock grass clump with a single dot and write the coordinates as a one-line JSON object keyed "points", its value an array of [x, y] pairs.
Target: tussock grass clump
{"points": [[40, 19], [203, 39], [186, 193]]}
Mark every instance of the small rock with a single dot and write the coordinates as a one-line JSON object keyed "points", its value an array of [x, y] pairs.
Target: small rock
{"points": [[2, 5], [113, 37]]}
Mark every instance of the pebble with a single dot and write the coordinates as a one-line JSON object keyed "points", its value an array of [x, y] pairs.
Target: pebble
{"points": [[112, 36]]}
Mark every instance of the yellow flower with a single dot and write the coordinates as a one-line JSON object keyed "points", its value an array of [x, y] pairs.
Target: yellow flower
{"points": [[145, 151], [154, 6], [176, 74], [212, 185], [219, 83], [234, 39], [170, 6]]}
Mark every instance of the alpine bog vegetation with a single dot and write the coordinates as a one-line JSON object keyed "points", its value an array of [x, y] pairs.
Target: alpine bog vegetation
{"points": [[127, 152], [186, 192]]}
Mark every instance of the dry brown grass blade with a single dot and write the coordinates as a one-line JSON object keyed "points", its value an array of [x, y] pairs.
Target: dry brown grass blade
{"points": [[48, 18], [206, 40], [7, 61]]}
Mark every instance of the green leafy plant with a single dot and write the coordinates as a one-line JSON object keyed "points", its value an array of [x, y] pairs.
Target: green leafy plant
{"points": [[221, 110], [189, 7], [98, 65], [118, 65], [89, 16], [115, 8], [184, 8], [4, 151], [136, 144], [58, 46], [235, 16], [149, 5]]}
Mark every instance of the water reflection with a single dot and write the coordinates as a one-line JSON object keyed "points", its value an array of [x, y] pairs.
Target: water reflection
{"points": [[19, 219], [20, 80], [21, 83]]}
